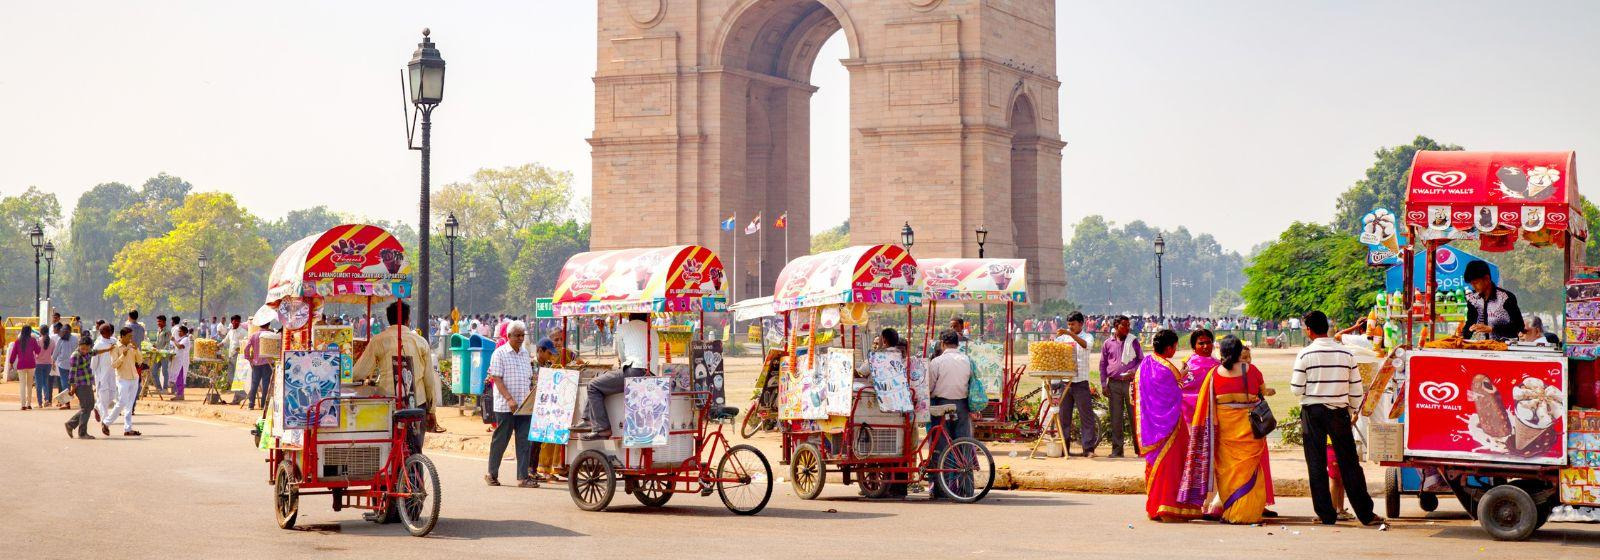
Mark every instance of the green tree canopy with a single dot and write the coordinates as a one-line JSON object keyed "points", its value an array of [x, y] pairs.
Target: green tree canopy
{"points": [[1112, 268], [1385, 183], [1311, 267], [831, 239], [162, 272], [93, 242], [18, 214], [545, 248]]}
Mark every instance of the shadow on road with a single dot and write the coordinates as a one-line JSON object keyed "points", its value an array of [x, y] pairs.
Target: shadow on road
{"points": [[1560, 533], [719, 511], [479, 529]]}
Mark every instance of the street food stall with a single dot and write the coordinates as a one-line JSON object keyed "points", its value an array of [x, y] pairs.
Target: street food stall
{"points": [[324, 434], [867, 429], [988, 282], [664, 443], [1507, 423]]}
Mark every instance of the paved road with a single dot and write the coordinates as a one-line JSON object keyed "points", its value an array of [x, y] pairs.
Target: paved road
{"points": [[194, 489]]}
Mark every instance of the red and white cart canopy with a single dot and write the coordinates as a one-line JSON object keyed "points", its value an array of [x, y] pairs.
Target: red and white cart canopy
{"points": [[349, 263], [976, 280], [1484, 191], [678, 278], [866, 274]]}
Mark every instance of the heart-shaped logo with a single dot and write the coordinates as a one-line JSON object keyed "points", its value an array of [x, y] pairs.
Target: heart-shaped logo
{"points": [[1557, 217], [1444, 179], [1462, 216], [1416, 216], [1510, 217], [1439, 392]]}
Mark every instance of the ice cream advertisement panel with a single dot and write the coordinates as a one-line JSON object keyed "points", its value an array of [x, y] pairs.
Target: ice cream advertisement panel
{"points": [[1486, 406]]}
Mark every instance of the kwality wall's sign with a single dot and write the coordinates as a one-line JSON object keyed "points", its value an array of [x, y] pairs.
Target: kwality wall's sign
{"points": [[1380, 232]]}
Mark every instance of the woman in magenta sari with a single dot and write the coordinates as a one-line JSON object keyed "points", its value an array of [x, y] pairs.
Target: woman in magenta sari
{"points": [[1196, 367], [1163, 435]]}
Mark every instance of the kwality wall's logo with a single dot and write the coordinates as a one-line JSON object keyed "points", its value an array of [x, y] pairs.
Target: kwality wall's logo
{"points": [[1438, 392], [1444, 179]]}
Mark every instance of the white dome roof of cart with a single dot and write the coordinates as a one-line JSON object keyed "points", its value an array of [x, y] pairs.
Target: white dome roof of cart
{"points": [[869, 274], [679, 278], [1486, 191], [350, 263], [975, 280]]}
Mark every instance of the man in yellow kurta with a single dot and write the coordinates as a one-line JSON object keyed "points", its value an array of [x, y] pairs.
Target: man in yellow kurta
{"points": [[376, 364]]}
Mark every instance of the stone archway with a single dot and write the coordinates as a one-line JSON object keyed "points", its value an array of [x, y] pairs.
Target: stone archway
{"points": [[702, 111]]}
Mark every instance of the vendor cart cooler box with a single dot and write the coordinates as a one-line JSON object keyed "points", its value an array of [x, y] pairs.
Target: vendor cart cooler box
{"points": [[1486, 406], [358, 420], [878, 433], [681, 413]]}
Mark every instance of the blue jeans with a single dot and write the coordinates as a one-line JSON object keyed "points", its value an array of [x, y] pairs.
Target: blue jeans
{"points": [[158, 372], [41, 384], [957, 428]]}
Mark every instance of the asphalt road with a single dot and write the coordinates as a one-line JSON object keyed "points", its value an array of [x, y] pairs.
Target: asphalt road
{"points": [[195, 489]]}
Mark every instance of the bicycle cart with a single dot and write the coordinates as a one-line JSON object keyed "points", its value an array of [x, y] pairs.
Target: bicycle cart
{"points": [[1506, 424], [988, 282], [868, 432], [364, 451], [691, 456]]}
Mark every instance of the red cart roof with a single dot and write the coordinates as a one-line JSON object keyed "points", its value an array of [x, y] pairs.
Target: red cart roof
{"points": [[1487, 190], [349, 263], [868, 274], [976, 280], [662, 279]]}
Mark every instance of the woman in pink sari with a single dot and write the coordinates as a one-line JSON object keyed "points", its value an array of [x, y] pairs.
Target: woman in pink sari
{"points": [[1163, 435], [1196, 367]]}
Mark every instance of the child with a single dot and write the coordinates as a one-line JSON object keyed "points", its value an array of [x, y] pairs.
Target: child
{"points": [[78, 381]]}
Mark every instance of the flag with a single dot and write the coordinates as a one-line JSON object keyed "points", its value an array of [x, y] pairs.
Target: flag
{"points": [[782, 221], [755, 225], [727, 225]]}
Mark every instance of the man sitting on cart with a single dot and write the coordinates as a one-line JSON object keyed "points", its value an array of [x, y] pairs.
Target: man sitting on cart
{"points": [[633, 349], [376, 367]]}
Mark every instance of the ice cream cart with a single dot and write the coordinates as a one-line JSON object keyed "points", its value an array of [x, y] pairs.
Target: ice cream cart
{"points": [[994, 282], [1493, 417]]}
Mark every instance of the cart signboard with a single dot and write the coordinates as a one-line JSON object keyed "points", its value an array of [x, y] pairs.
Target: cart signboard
{"points": [[346, 264], [975, 280], [1486, 406], [676, 279], [868, 274]]}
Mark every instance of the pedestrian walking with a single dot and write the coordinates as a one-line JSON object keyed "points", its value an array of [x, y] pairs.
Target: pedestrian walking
{"points": [[79, 377], [181, 346], [105, 376], [1080, 393], [949, 376], [260, 366], [21, 359], [61, 358], [124, 362], [163, 342], [511, 367], [1329, 386], [1119, 361], [42, 368]]}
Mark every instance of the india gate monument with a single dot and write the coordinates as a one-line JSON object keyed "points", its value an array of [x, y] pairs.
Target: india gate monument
{"points": [[703, 108]]}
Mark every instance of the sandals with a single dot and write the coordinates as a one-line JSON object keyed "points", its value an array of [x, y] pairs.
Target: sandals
{"points": [[490, 480], [131, 433]]}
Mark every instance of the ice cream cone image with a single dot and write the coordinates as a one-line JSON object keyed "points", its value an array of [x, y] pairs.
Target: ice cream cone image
{"points": [[1489, 406], [1538, 407], [1526, 438]]}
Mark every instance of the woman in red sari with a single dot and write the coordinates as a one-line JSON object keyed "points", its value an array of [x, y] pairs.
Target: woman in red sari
{"points": [[1163, 435]]}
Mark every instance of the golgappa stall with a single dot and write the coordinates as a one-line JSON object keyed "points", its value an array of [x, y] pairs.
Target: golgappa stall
{"points": [[1001, 282], [665, 442], [325, 431], [1507, 420], [868, 429]]}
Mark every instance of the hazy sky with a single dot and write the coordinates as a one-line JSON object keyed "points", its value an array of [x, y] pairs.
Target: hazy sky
{"points": [[1230, 117]]}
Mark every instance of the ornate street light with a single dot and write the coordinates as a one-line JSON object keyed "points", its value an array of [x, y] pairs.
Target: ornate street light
{"points": [[907, 237], [426, 90], [49, 268], [983, 235], [1161, 287], [36, 238], [451, 230], [204, 261]]}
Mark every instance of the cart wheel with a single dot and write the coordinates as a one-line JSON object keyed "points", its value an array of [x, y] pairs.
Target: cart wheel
{"points": [[752, 424], [1508, 513], [1428, 502], [286, 494], [807, 472], [973, 474], [653, 492], [747, 465], [592, 481], [874, 484], [420, 511], [1391, 493]]}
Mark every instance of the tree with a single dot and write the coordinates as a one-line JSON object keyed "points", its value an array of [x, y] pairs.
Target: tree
{"points": [[498, 204], [545, 248], [93, 241], [18, 214], [151, 215], [1223, 302], [1311, 266], [298, 224], [831, 239], [162, 272], [1385, 183], [1113, 268]]}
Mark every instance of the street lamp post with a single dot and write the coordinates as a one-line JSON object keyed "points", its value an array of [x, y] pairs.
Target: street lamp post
{"points": [[451, 227], [36, 238], [49, 268], [907, 237], [204, 260], [983, 235], [427, 90], [1161, 287]]}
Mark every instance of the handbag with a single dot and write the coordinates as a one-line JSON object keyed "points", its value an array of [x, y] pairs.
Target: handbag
{"points": [[1262, 422]]}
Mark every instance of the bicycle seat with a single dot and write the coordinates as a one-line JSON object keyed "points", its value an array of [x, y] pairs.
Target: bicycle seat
{"points": [[941, 409], [410, 415], [724, 412]]}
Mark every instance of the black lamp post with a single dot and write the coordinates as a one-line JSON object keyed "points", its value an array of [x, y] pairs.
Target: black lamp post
{"points": [[451, 228], [204, 260], [1161, 287], [49, 268], [36, 238], [907, 237], [426, 70], [983, 235]]}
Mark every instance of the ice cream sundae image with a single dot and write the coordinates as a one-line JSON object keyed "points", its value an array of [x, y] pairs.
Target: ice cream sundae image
{"points": [[1538, 407], [942, 277], [1439, 217], [1002, 274], [1540, 181], [1377, 228], [1532, 218], [1486, 218], [390, 261], [715, 277], [908, 275]]}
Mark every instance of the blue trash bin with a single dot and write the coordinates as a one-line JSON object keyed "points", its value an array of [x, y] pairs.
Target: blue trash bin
{"points": [[460, 366], [481, 348]]}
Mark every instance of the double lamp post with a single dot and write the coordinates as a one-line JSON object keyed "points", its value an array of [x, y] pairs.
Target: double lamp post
{"points": [[47, 251]]}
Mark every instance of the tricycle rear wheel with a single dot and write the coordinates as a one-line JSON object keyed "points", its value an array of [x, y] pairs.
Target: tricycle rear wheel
{"points": [[420, 511], [754, 489], [974, 474], [593, 481], [653, 492], [286, 494], [1508, 513]]}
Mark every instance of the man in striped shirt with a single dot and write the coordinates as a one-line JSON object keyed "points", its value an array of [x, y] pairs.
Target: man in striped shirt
{"points": [[1329, 386]]}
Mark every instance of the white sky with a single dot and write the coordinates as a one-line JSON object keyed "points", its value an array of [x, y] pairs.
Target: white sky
{"points": [[1230, 117]]}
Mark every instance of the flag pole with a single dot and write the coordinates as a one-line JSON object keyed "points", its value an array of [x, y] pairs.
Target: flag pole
{"points": [[761, 259], [738, 275], [786, 238]]}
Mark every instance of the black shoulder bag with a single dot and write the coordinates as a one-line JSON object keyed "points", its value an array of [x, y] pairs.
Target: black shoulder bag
{"points": [[1262, 422]]}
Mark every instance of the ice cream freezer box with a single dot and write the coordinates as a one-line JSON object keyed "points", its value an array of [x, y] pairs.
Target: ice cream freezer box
{"points": [[1504, 407]]}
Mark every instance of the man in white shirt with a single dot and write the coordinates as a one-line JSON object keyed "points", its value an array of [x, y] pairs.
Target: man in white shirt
{"points": [[233, 341], [633, 344], [948, 377], [105, 375], [1329, 386], [1080, 393], [511, 367]]}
